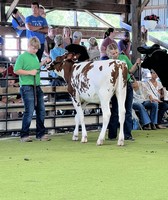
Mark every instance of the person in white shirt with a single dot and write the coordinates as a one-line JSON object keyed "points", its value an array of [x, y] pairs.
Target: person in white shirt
{"points": [[93, 50], [147, 110], [155, 88]]}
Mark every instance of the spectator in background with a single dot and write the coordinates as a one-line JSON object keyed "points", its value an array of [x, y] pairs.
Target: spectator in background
{"points": [[1, 44], [156, 95], [5, 74], [10, 69], [67, 36], [4, 63], [4, 60], [1, 41], [11, 82], [36, 26], [108, 39], [42, 11], [165, 98], [18, 23], [147, 110], [10, 99], [49, 41], [77, 48], [57, 30], [2, 70], [58, 50], [93, 50], [9, 74], [124, 45]]}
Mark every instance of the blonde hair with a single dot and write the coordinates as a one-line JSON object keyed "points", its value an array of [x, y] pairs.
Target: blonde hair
{"points": [[110, 47], [34, 41]]}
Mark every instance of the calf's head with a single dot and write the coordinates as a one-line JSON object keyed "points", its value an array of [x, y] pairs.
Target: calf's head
{"points": [[156, 58], [63, 62]]}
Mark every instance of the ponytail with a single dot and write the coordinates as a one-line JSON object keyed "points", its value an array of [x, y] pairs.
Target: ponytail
{"points": [[107, 33]]}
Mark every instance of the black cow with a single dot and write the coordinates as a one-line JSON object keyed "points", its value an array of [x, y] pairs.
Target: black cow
{"points": [[156, 59]]}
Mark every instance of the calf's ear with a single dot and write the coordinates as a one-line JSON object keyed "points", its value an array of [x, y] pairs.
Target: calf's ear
{"points": [[141, 50]]}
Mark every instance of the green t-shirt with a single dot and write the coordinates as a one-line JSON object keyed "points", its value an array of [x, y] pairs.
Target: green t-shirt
{"points": [[27, 61], [128, 62]]}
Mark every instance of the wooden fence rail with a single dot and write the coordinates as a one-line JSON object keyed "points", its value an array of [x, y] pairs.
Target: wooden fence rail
{"points": [[59, 111]]}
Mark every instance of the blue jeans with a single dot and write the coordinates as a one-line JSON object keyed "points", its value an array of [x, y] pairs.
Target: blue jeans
{"points": [[27, 93], [114, 120], [104, 58], [163, 107], [143, 108]]}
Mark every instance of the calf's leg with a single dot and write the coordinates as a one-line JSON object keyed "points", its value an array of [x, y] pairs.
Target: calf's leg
{"points": [[106, 116], [121, 112], [79, 118]]}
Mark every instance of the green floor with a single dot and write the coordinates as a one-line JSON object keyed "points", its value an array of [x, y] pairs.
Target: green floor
{"points": [[66, 170]]}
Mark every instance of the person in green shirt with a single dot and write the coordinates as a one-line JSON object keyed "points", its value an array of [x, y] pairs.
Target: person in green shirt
{"points": [[113, 53], [27, 66]]}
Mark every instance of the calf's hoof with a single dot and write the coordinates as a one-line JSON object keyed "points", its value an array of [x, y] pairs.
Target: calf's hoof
{"points": [[100, 142], [75, 138], [84, 139], [120, 143]]}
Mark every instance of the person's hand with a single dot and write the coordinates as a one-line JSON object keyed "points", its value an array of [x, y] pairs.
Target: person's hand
{"points": [[33, 72], [138, 61], [159, 101], [156, 100], [151, 99], [47, 60]]}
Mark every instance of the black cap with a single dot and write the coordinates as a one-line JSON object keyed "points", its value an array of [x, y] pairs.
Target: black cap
{"points": [[15, 11], [127, 34]]}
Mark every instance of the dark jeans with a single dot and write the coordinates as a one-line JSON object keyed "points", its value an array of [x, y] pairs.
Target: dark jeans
{"points": [[40, 52], [114, 119], [104, 58], [58, 81], [27, 93], [163, 107]]}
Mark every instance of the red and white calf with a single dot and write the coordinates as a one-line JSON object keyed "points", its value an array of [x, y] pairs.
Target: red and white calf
{"points": [[94, 82]]}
